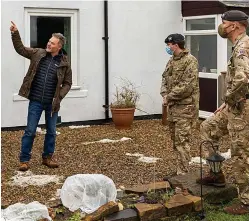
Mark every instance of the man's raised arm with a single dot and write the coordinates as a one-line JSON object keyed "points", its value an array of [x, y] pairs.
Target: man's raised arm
{"points": [[17, 43]]}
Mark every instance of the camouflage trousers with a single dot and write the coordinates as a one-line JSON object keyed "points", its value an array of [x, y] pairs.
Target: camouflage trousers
{"points": [[180, 132], [236, 124]]}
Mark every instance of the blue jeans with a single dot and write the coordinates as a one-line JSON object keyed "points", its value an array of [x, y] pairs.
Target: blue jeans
{"points": [[34, 115]]}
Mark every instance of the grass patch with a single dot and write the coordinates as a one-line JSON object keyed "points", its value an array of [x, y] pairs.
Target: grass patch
{"points": [[216, 213], [221, 216]]}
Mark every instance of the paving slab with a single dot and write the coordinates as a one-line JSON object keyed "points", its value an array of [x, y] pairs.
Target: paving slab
{"points": [[145, 187], [124, 215], [178, 205], [150, 212], [211, 194]]}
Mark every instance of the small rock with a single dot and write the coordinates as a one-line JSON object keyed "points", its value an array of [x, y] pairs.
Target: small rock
{"points": [[120, 206], [120, 193], [149, 212], [178, 190], [122, 187], [54, 203]]}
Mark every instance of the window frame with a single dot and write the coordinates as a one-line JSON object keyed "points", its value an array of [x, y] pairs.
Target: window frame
{"points": [[203, 32], [221, 51], [52, 12], [204, 73], [221, 43]]}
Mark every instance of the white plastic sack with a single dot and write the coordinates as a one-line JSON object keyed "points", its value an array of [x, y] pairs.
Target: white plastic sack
{"points": [[87, 192], [25, 212]]}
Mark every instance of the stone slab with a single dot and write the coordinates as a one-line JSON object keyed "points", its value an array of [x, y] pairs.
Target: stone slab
{"points": [[210, 194], [150, 212], [152, 186], [178, 205], [103, 211], [124, 215], [196, 202]]}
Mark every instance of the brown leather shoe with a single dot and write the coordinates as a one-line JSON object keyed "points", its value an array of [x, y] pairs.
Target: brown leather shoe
{"points": [[237, 209], [213, 179], [49, 162], [24, 166]]}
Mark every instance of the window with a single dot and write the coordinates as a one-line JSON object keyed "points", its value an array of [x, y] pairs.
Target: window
{"points": [[201, 40], [42, 27], [200, 24], [41, 23], [204, 48]]}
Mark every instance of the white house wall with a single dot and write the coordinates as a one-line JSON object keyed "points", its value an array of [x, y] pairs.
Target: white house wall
{"points": [[136, 45], [137, 49]]}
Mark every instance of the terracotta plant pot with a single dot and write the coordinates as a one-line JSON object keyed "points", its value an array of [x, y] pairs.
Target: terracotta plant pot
{"points": [[123, 117]]}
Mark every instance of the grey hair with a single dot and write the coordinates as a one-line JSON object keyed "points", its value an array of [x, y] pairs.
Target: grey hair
{"points": [[61, 37]]}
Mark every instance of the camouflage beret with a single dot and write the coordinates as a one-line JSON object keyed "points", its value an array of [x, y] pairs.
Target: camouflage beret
{"points": [[234, 15], [174, 38]]}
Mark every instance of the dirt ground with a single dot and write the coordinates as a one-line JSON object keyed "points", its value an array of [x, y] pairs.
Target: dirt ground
{"points": [[148, 137]]}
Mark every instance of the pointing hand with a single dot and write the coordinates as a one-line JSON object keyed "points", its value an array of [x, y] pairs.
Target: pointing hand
{"points": [[13, 27]]}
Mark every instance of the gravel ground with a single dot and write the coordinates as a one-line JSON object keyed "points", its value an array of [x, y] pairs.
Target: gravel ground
{"points": [[148, 137]]}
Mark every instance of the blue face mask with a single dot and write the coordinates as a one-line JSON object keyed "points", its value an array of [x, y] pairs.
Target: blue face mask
{"points": [[168, 50]]}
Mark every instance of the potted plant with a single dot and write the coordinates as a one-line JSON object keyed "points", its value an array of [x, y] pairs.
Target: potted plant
{"points": [[124, 105]]}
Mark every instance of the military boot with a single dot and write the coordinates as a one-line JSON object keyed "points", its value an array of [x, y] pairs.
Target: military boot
{"points": [[213, 179], [49, 162]]}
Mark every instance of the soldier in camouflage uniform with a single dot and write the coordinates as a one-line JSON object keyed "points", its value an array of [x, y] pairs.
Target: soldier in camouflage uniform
{"points": [[180, 92], [233, 116]]}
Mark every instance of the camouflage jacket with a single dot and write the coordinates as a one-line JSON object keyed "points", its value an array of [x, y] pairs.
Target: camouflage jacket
{"points": [[180, 82], [238, 71]]}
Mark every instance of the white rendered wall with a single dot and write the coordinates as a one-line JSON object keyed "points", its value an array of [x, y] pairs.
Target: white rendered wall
{"points": [[136, 45], [137, 49]]}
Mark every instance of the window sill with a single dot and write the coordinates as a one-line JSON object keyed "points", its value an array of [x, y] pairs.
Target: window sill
{"points": [[204, 114], [209, 75], [16, 97], [75, 87], [75, 92]]}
